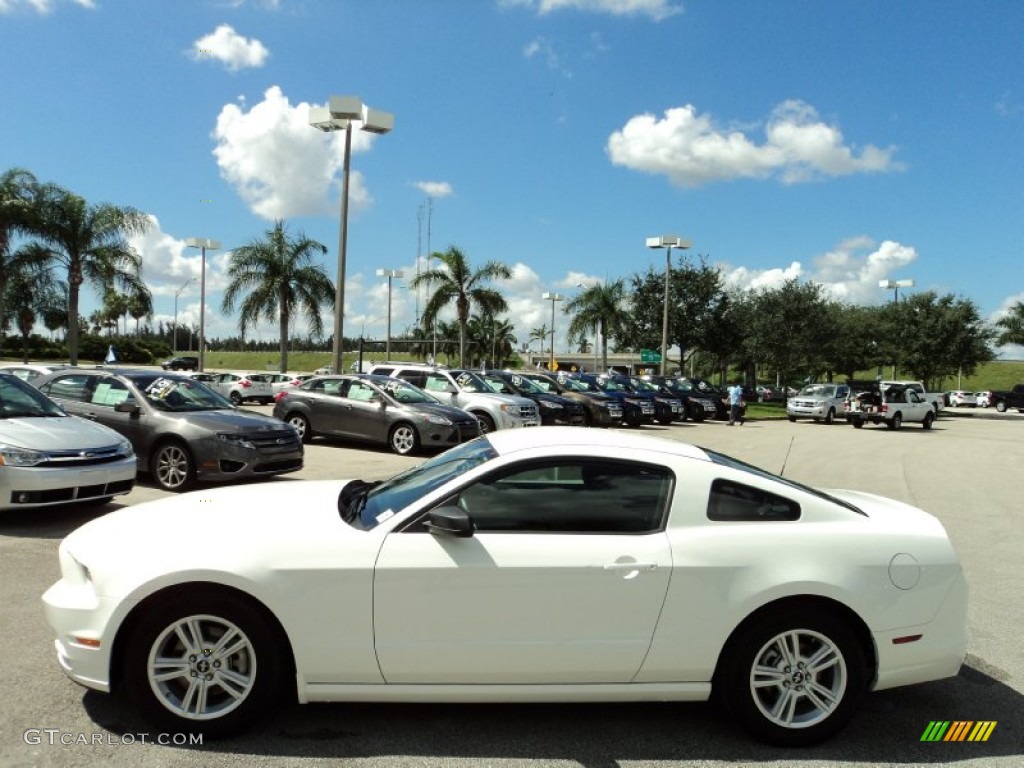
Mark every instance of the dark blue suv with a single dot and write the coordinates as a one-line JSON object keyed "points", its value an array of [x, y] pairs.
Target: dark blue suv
{"points": [[636, 409]]}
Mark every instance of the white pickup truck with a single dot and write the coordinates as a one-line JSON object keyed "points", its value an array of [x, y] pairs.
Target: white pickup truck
{"points": [[936, 399], [875, 403]]}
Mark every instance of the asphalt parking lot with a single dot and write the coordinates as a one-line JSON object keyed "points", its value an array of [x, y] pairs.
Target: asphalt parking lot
{"points": [[966, 471]]}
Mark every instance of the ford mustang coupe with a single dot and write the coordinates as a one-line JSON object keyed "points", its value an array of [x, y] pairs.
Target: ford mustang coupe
{"points": [[540, 565]]}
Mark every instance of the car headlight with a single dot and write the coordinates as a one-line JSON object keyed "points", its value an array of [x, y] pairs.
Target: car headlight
{"points": [[441, 420], [509, 408], [13, 456], [550, 405], [240, 440], [124, 448]]}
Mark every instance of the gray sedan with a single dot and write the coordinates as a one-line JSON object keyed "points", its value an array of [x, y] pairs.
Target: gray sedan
{"points": [[377, 409], [182, 431]]}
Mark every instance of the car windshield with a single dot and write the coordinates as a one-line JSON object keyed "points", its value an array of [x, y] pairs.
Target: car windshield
{"points": [[403, 391], [179, 394], [576, 385], [729, 461], [642, 386], [544, 385], [524, 384], [380, 502], [819, 390], [19, 400]]}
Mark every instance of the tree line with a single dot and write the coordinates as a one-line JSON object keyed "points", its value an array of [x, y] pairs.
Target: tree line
{"points": [[54, 243]]}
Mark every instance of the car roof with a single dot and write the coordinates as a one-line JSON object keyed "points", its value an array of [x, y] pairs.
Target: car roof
{"points": [[513, 440]]}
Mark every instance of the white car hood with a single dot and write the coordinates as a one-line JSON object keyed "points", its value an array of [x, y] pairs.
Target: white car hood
{"points": [[246, 530], [53, 433]]}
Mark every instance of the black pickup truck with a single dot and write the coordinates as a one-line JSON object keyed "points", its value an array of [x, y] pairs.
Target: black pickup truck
{"points": [[1001, 401]]}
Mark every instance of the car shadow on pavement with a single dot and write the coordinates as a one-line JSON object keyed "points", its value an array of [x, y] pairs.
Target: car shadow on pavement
{"points": [[52, 522], [888, 729]]}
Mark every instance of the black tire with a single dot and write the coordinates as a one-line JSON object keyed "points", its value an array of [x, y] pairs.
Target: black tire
{"points": [[302, 426], [1001, 406], [173, 467], [857, 423], [791, 418], [697, 415], [235, 398], [821, 699], [665, 421], [633, 419], [928, 420], [830, 417], [896, 422], [486, 423], [403, 439], [255, 663]]}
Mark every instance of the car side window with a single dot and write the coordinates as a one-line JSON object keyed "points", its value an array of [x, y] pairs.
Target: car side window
{"points": [[433, 383], [360, 391], [109, 393], [735, 502], [74, 386], [335, 387], [571, 495]]}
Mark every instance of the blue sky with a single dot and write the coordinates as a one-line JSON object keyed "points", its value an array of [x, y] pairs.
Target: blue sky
{"points": [[844, 142]]}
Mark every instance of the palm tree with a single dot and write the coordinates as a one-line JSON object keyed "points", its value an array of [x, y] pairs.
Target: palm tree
{"points": [[599, 308], [89, 242], [31, 292], [140, 305], [1011, 326], [16, 217], [541, 335], [456, 284], [281, 281]]}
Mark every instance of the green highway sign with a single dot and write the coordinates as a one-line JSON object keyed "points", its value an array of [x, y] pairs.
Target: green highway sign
{"points": [[649, 356]]}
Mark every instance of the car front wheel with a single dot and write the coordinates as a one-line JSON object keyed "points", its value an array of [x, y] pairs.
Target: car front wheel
{"points": [[209, 663], [928, 419], [793, 677], [173, 467], [301, 424], [403, 439]]}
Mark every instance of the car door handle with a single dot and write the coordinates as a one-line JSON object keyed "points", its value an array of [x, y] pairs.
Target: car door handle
{"points": [[631, 567]]}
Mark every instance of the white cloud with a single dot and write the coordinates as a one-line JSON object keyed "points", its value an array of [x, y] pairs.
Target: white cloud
{"points": [[692, 151], [849, 273], [658, 10], [279, 165], [232, 49], [39, 6], [541, 48], [435, 188]]}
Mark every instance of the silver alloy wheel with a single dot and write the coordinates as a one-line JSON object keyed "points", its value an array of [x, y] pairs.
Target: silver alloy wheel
{"points": [[201, 667], [798, 679], [403, 439], [301, 425], [173, 466]]}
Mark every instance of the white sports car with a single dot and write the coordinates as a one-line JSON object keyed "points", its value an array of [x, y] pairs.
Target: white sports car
{"points": [[540, 565]]}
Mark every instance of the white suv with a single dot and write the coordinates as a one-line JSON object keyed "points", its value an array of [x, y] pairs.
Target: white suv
{"points": [[239, 386], [820, 402], [464, 389]]}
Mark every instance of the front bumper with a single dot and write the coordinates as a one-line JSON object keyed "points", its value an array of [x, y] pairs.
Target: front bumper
{"points": [[264, 455], [31, 487]]}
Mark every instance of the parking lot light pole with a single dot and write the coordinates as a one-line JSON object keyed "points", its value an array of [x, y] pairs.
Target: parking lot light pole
{"points": [[177, 293], [338, 115], [552, 297], [668, 242], [203, 244], [894, 286], [389, 274]]}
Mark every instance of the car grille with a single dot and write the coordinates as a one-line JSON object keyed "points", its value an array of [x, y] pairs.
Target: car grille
{"points": [[277, 442], [804, 403], [647, 408], [86, 458], [528, 412], [465, 430], [58, 495], [277, 467]]}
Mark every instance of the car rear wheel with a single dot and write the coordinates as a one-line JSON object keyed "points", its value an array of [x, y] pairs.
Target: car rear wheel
{"points": [[857, 423], [173, 467], [793, 677], [235, 398], [302, 426], [209, 663], [830, 416], [1001, 406], [895, 422], [403, 439]]}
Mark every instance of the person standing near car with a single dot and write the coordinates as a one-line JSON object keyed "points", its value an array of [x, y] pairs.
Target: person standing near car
{"points": [[735, 394]]}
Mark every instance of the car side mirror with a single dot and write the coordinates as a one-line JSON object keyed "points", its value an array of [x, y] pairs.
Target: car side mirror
{"points": [[450, 521], [127, 406]]}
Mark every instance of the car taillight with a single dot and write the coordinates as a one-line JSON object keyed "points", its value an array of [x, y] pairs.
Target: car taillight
{"points": [[883, 408], [294, 382], [245, 383], [279, 396]]}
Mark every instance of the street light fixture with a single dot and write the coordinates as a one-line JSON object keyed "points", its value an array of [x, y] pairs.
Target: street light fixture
{"points": [[177, 293], [895, 285], [389, 274], [204, 244], [552, 297], [338, 115], [669, 242]]}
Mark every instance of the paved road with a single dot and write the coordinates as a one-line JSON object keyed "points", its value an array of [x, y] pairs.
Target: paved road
{"points": [[967, 471]]}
